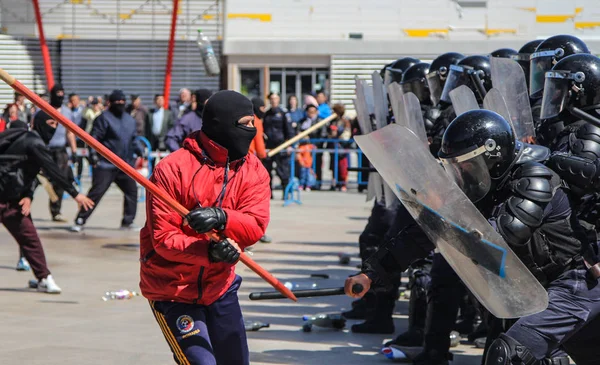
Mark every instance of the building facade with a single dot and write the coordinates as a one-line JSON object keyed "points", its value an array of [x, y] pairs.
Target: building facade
{"points": [[293, 47]]}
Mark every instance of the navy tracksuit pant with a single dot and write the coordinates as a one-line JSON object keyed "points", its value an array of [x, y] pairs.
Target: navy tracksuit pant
{"points": [[205, 335]]}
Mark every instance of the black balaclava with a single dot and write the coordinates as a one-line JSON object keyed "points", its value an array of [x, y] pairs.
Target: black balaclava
{"points": [[55, 100], [220, 122], [257, 103], [202, 95], [116, 109], [41, 127]]}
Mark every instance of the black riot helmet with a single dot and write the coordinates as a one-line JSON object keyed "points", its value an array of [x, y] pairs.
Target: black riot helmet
{"points": [[522, 57], [473, 71], [546, 55], [572, 89], [394, 72], [504, 53], [478, 150], [438, 72], [414, 80]]}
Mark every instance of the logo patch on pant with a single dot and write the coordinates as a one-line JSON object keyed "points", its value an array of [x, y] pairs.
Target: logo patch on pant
{"points": [[185, 323]]}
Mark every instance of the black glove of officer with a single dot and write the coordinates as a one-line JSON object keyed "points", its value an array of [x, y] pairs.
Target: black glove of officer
{"points": [[204, 220], [223, 252]]}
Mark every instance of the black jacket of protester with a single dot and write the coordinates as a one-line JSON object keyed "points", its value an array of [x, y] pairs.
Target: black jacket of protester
{"points": [[22, 157], [118, 135], [278, 128]]}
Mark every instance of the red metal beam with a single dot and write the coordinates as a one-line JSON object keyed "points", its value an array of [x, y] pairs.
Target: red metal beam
{"points": [[169, 66], [43, 45]]}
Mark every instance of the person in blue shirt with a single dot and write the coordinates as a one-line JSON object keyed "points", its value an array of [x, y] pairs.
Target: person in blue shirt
{"points": [[324, 109], [296, 114]]}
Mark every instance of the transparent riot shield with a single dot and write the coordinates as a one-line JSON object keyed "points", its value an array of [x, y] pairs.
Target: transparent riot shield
{"points": [[495, 102], [508, 77], [477, 253], [414, 116], [396, 101], [380, 100], [463, 100], [365, 110]]}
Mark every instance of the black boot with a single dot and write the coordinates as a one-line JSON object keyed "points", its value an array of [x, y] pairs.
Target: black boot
{"points": [[379, 316], [359, 309]]}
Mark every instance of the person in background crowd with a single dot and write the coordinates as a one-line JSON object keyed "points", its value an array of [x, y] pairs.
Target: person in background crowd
{"points": [[24, 114], [296, 113], [342, 130], [12, 114], [324, 109], [138, 112], [57, 146], [257, 146], [305, 160], [116, 130], [189, 123], [278, 129], [312, 118], [158, 122], [73, 110], [183, 105], [91, 112]]}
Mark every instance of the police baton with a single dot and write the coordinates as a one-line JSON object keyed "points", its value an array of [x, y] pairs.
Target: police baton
{"points": [[131, 172], [325, 292]]}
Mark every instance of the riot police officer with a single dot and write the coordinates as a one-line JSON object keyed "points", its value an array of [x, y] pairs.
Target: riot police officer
{"points": [[472, 71], [277, 129], [393, 72], [532, 212], [548, 53], [504, 53]]}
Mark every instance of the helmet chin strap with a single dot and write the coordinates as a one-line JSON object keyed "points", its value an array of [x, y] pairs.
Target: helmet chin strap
{"points": [[502, 179]]}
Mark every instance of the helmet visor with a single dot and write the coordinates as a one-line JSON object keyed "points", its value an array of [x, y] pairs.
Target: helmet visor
{"points": [[458, 76], [539, 64], [556, 93], [436, 85], [417, 87], [470, 173]]}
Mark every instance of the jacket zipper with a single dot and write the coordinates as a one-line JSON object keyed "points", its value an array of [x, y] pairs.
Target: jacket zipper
{"points": [[199, 285]]}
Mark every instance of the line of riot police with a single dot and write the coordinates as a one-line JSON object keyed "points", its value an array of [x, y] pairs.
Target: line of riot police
{"points": [[491, 166]]}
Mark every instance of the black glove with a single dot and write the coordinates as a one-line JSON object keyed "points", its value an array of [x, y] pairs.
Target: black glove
{"points": [[93, 159], [204, 220], [223, 252]]}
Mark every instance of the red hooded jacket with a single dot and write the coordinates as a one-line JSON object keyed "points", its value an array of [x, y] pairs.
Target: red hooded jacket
{"points": [[174, 257]]}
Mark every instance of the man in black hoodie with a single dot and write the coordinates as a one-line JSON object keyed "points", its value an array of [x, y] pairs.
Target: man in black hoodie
{"points": [[116, 130], [23, 153]]}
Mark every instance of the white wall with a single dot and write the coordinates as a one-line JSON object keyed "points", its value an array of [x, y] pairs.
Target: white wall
{"points": [[393, 20]]}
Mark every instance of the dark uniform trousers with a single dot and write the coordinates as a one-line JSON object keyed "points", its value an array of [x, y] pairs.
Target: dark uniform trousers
{"points": [[101, 180], [205, 335], [61, 157]]}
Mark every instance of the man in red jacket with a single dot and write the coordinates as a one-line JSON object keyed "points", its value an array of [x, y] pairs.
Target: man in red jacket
{"points": [[190, 280]]}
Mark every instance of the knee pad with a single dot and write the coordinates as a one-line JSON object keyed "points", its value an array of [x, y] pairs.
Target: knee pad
{"points": [[505, 350]]}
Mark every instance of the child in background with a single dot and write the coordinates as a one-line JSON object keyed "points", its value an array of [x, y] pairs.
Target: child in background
{"points": [[304, 156]]}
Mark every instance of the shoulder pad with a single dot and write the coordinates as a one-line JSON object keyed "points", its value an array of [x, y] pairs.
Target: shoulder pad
{"points": [[532, 152], [585, 142], [536, 182], [513, 230]]}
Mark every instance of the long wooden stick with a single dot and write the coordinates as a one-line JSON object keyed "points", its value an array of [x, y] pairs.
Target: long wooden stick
{"points": [[131, 172]]}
